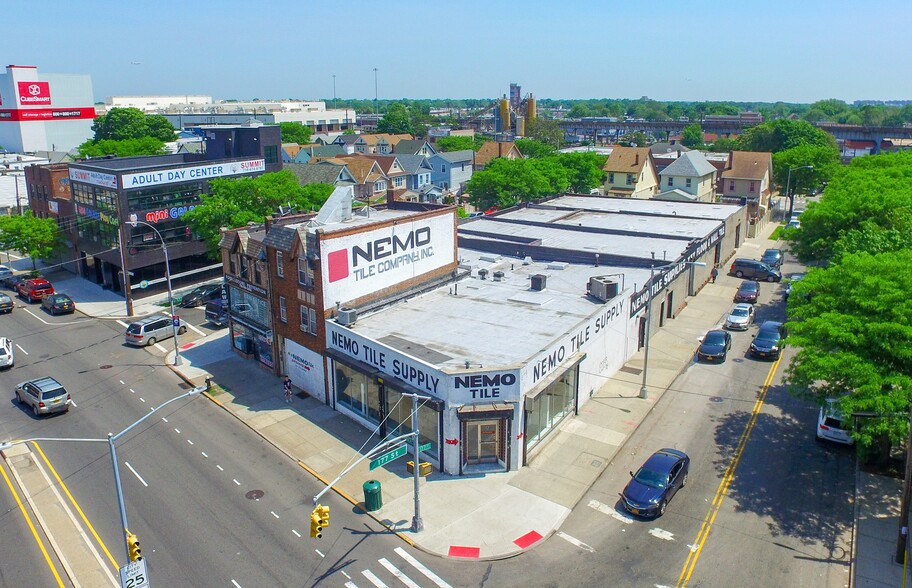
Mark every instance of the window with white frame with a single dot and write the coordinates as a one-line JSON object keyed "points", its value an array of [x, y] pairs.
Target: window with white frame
{"points": [[308, 320], [305, 273], [280, 267], [379, 186], [398, 181], [283, 311]]}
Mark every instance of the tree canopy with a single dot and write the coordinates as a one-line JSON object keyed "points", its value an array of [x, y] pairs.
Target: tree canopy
{"points": [[459, 143], [535, 149], [26, 233], [131, 123], [781, 134], [545, 130], [295, 132], [397, 120], [824, 161], [123, 148], [692, 136], [234, 202]]}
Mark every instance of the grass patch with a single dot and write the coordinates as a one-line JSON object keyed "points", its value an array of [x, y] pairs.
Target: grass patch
{"points": [[777, 233]]}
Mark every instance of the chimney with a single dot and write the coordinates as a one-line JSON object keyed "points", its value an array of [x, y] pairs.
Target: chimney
{"points": [[268, 222]]}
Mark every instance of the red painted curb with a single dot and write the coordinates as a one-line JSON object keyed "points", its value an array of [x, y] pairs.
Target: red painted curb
{"points": [[528, 539], [470, 552]]}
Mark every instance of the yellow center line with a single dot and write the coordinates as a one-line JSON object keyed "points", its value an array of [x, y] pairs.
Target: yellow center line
{"points": [[31, 525], [722, 490], [78, 509]]}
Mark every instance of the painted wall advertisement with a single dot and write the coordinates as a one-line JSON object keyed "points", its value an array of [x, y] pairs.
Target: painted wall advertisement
{"points": [[357, 265], [305, 368]]}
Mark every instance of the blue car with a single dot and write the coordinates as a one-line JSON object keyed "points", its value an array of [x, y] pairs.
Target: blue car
{"points": [[656, 482]]}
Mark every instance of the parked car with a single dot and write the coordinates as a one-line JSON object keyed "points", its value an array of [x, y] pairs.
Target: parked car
{"points": [[740, 317], [7, 359], [754, 270], [35, 289], [772, 258], [715, 346], [831, 423], [13, 280], [475, 214], [5, 272], [6, 303], [45, 395], [151, 329], [794, 223], [748, 291], [199, 296], [57, 303], [788, 285], [656, 482], [768, 341]]}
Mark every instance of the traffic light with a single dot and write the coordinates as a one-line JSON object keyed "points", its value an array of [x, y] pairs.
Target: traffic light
{"points": [[323, 511], [315, 527], [133, 547]]}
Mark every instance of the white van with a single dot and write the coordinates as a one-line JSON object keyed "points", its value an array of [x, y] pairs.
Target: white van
{"points": [[831, 423]]}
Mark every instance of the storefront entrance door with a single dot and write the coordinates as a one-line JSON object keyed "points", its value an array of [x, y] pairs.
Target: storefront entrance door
{"points": [[481, 442]]}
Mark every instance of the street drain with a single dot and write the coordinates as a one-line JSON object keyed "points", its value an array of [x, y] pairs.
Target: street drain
{"points": [[254, 495], [716, 399]]}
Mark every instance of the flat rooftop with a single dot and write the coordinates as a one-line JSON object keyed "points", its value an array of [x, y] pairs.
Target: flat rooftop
{"points": [[672, 226], [705, 210]]}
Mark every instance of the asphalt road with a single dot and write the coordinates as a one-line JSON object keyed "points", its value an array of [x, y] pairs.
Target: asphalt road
{"points": [[211, 502]]}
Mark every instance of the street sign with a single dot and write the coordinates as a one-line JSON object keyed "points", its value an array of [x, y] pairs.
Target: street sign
{"points": [[424, 447], [134, 575], [134, 220], [388, 457], [144, 284], [176, 320]]}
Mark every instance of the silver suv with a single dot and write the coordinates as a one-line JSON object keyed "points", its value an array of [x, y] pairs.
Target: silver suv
{"points": [[151, 329], [45, 395]]}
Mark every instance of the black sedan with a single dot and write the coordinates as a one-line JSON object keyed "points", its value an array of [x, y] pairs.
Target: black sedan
{"points": [[201, 295], [715, 346], [656, 482], [772, 258], [748, 291], [58, 303]]}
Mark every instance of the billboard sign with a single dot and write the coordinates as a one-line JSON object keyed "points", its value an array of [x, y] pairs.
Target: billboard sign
{"points": [[360, 264], [193, 173], [93, 177], [34, 93]]}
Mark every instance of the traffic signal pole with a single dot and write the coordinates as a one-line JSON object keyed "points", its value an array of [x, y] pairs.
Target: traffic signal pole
{"points": [[120, 499]]}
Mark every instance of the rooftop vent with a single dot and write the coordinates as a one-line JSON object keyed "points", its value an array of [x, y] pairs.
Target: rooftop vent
{"points": [[347, 316], [483, 274], [498, 276], [539, 281]]}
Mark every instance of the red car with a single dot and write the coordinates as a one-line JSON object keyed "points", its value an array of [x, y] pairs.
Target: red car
{"points": [[35, 289]]}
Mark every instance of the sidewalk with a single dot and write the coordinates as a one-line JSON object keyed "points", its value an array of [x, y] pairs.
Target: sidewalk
{"points": [[492, 516]]}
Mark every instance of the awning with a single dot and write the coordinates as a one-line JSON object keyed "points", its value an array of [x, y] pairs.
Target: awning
{"points": [[485, 411], [556, 374]]}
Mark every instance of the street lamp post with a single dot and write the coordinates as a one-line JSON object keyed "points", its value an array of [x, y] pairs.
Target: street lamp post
{"points": [[111, 440], [643, 391], [376, 93], [133, 221], [788, 185], [334, 91]]}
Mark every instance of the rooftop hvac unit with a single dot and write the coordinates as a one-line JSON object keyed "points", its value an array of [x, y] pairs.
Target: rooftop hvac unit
{"points": [[602, 288], [347, 316], [483, 274], [498, 276], [539, 281]]}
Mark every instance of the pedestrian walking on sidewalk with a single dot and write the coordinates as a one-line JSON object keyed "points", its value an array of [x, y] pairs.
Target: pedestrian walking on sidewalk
{"points": [[286, 385], [714, 274]]}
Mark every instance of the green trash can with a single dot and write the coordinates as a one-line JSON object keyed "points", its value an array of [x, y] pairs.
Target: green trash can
{"points": [[373, 497]]}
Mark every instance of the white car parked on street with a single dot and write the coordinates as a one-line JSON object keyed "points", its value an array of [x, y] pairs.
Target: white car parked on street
{"points": [[740, 317]]}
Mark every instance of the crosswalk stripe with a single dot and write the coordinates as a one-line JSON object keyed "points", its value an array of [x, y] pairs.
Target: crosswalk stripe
{"points": [[604, 508], [351, 585], [421, 568], [399, 575], [374, 579]]}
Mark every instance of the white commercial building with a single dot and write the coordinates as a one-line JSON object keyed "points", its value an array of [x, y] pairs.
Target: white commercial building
{"points": [[44, 112]]}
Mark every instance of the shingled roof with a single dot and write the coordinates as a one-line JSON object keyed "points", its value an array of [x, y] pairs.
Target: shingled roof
{"points": [[627, 160], [690, 164], [748, 165]]}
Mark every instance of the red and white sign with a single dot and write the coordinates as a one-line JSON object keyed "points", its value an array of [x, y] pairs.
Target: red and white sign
{"points": [[360, 264], [34, 93], [47, 114]]}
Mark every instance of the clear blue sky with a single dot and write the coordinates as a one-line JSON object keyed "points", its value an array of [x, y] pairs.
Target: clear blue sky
{"points": [[793, 51]]}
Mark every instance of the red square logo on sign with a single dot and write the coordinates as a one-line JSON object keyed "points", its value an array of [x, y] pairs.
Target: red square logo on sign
{"points": [[33, 93], [338, 265]]}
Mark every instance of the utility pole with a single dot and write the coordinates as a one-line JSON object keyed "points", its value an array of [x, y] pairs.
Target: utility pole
{"points": [[643, 391], [376, 93], [334, 91], [417, 523], [903, 536]]}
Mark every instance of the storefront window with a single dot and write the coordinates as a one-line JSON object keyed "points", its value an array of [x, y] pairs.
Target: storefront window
{"points": [[399, 420], [245, 305], [357, 392], [549, 407]]}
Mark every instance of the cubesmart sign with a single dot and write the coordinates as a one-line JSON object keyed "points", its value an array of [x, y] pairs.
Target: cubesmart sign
{"points": [[34, 93]]}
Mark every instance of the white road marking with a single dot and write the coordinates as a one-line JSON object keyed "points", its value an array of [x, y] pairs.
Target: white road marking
{"points": [[344, 573], [235, 481], [351, 585], [273, 514], [132, 391], [195, 330], [662, 534], [159, 347], [177, 431], [221, 469], [604, 508], [164, 419], [235, 583], [122, 383], [203, 453], [296, 533], [73, 404], [374, 579], [421, 568], [694, 547], [143, 399], [189, 441], [396, 572], [318, 553], [21, 349], [122, 323], [575, 541], [135, 473]]}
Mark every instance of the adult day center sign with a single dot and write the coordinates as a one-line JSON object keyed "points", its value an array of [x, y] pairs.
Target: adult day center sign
{"points": [[193, 173]]}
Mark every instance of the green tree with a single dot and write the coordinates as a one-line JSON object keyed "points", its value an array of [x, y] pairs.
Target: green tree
{"points": [[635, 139], [122, 148], [26, 233], [692, 136], [782, 134], [723, 144], [583, 170], [507, 182], [545, 130], [234, 202], [397, 120], [295, 132], [456, 143], [131, 123], [824, 159], [852, 325], [534, 149]]}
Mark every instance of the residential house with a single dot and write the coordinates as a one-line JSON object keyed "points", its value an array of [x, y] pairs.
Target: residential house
{"points": [[491, 149], [324, 138], [631, 173], [395, 174], [379, 143], [747, 180], [333, 174], [290, 152], [307, 153], [452, 169], [347, 142], [690, 178], [371, 183], [418, 179], [414, 147], [664, 154]]}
